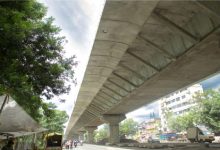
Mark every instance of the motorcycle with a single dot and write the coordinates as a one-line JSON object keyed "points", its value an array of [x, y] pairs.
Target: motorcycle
{"points": [[75, 144]]}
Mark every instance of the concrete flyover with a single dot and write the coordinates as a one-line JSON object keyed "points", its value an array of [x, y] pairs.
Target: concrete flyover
{"points": [[145, 50]]}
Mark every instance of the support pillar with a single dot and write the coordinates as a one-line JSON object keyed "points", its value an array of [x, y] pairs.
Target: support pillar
{"points": [[114, 120], [81, 135], [75, 136], [90, 130]]}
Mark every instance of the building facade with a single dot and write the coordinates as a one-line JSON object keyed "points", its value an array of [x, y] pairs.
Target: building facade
{"points": [[148, 128], [177, 103]]}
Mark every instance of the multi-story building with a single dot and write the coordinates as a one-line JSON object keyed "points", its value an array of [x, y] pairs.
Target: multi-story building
{"points": [[177, 103]]}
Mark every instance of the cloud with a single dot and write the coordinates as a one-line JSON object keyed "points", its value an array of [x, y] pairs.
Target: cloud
{"points": [[79, 21], [74, 18], [145, 112]]}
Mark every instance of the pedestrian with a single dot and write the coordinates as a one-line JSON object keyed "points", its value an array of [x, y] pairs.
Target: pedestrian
{"points": [[9, 145]]}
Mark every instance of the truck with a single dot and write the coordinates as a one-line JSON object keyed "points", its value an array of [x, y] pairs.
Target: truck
{"points": [[194, 134]]}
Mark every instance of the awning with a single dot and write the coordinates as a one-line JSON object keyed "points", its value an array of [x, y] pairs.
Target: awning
{"points": [[14, 120]]}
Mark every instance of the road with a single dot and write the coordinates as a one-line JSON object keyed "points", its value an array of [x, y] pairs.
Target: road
{"points": [[97, 147]]}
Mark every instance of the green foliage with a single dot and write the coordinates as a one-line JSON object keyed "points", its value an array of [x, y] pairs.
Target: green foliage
{"points": [[128, 127], [55, 122], [208, 109], [32, 62], [181, 123], [101, 133]]}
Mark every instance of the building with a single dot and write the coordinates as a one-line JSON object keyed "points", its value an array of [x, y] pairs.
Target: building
{"points": [[148, 128], [177, 103]]}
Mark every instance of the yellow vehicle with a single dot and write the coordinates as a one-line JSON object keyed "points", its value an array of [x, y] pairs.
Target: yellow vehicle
{"points": [[53, 141]]}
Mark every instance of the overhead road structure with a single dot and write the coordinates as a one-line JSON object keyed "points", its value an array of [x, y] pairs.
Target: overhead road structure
{"points": [[143, 51]]}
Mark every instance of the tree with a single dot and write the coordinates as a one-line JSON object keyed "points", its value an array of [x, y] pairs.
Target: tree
{"points": [[208, 109], [32, 62], [182, 122], [55, 122], [128, 127], [205, 112], [101, 133]]}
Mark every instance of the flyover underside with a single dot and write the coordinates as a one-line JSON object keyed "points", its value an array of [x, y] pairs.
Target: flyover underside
{"points": [[145, 50]]}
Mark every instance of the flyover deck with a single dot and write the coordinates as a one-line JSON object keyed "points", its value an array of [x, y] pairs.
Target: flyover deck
{"points": [[143, 51]]}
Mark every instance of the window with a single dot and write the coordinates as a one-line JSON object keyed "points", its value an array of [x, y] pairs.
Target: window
{"points": [[184, 96], [178, 98]]}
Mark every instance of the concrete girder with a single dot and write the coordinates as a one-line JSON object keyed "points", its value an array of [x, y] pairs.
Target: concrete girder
{"points": [[108, 98], [97, 107], [116, 84], [174, 27], [211, 7], [98, 104], [143, 61], [172, 75], [115, 92], [115, 33], [111, 96], [121, 90], [158, 48], [163, 82], [104, 101], [133, 72], [122, 78]]}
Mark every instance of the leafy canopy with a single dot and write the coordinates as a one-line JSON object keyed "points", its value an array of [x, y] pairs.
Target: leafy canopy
{"points": [[32, 62], [55, 122], [208, 109], [128, 127], [181, 123], [102, 133]]}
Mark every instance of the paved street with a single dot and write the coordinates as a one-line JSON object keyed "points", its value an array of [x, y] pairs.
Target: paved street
{"points": [[96, 147]]}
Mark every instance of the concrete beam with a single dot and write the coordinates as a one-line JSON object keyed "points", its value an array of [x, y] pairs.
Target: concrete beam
{"points": [[122, 78], [143, 61], [115, 92], [212, 7], [120, 23], [112, 82], [175, 28], [158, 48], [132, 71]]}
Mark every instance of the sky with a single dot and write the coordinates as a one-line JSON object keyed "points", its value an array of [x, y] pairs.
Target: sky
{"points": [[212, 82], [79, 20]]}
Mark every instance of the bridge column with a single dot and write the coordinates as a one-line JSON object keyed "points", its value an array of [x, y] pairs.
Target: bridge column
{"points": [[114, 121], [75, 136], [90, 130], [81, 135]]}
